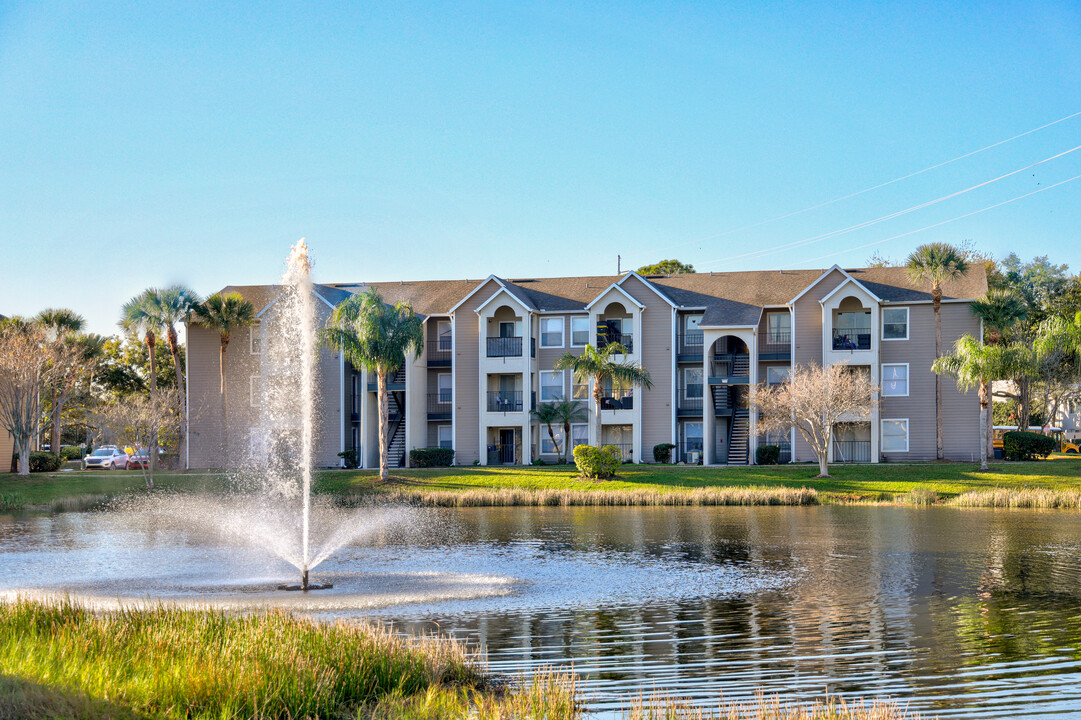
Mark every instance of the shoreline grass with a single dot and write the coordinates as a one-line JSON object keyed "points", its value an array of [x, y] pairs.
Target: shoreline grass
{"points": [[919, 484], [58, 660]]}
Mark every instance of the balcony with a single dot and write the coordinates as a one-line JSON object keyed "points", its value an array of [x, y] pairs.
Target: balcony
{"points": [[689, 400], [504, 401], [618, 400], [440, 405], [851, 451], [504, 347], [690, 452], [439, 353], [689, 346], [624, 339], [852, 338], [777, 345]]}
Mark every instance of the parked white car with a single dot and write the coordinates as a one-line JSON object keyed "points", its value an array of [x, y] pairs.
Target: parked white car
{"points": [[106, 457]]}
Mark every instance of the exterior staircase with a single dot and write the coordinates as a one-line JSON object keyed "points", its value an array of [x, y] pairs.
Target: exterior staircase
{"points": [[721, 402], [741, 365], [738, 437], [396, 406]]}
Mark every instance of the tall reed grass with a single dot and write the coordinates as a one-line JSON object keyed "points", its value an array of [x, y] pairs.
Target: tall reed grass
{"points": [[12, 503], [1029, 498], [621, 498]]}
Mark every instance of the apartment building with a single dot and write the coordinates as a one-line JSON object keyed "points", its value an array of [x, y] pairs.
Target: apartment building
{"points": [[707, 339]]}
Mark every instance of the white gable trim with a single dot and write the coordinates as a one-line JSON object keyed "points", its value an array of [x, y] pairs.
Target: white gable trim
{"points": [[621, 291], [821, 277], [328, 303], [850, 281], [648, 284], [485, 281], [496, 294], [271, 303]]}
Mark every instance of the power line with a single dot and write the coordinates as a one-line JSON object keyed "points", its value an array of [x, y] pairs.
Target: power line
{"points": [[867, 223], [939, 224], [875, 187]]}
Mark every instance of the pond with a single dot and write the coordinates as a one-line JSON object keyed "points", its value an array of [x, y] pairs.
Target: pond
{"points": [[953, 612]]}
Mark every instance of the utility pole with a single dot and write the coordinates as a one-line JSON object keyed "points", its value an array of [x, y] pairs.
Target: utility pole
{"points": [[619, 268]]}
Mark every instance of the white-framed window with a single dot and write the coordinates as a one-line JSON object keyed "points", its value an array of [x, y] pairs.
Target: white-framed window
{"points": [[894, 379], [579, 435], [692, 436], [547, 446], [692, 382], [777, 374], [579, 390], [442, 334], [446, 394], [778, 328], [444, 437], [895, 323], [895, 435], [551, 385], [580, 331], [256, 444], [255, 391], [255, 339], [552, 332]]}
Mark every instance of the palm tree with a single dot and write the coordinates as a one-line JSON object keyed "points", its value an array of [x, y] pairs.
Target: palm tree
{"points": [[567, 412], [935, 263], [140, 317], [974, 364], [376, 336], [224, 313], [175, 304], [598, 366], [63, 326], [547, 414], [999, 311]]}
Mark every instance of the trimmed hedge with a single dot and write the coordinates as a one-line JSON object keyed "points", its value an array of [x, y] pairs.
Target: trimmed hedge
{"points": [[41, 461], [598, 463], [662, 453], [352, 459], [71, 452], [767, 454], [431, 457], [1022, 445]]}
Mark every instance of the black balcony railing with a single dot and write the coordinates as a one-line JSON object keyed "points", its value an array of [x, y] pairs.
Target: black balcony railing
{"points": [[502, 454], [626, 450], [776, 342], [689, 398], [852, 338], [618, 400], [689, 342], [690, 452], [624, 339], [504, 401], [504, 347], [851, 451], [439, 354], [439, 405]]}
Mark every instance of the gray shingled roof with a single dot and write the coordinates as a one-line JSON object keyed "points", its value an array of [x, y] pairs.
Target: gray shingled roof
{"points": [[734, 298]]}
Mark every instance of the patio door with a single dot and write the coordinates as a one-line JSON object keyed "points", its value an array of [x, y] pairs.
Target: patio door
{"points": [[506, 446]]}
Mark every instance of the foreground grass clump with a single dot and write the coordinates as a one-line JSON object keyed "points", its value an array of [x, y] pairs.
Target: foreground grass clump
{"points": [[61, 660], [499, 497]]}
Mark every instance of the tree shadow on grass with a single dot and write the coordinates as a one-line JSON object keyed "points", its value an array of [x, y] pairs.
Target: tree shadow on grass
{"points": [[22, 699]]}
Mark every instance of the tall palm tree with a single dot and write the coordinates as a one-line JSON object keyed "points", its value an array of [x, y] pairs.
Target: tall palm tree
{"points": [[546, 414], [224, 314], [935, 263], [175, 304], [974, 364], [376, 336], [140, 316], [999, 311], [63, 326], [598, 366], [567, 412]]}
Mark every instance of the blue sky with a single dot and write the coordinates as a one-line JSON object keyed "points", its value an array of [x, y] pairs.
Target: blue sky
{"points": [[148, 143]]}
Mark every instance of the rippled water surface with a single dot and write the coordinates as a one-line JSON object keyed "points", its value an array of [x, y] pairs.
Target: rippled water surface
{"points": [[955, 612]]}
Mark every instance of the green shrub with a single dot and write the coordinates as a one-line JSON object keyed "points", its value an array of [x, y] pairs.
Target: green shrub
{"points": [[351, 457], [71, 452], [41, 461], [598, 463], [1021, 445], [431, 457], [767, 455], [663, 453]]}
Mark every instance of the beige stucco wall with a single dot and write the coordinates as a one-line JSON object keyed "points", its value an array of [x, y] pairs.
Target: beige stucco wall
{"points": [[655, 352], [467, 376], [7, 449]]}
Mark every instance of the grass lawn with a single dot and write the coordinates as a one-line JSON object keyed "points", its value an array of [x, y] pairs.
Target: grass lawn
{"points": [[849, 482]]}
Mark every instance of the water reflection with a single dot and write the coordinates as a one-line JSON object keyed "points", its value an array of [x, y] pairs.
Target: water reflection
{"points": [[956, 612]]}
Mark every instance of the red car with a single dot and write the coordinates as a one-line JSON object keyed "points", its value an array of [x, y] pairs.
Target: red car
{"points": [[138, 461]]}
